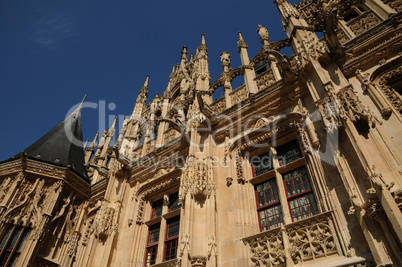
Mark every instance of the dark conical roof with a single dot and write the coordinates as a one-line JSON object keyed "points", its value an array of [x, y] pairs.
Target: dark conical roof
{"points": [[61, 146]]}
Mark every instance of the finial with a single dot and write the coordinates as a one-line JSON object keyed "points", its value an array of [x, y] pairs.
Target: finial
{"points": [[173, 69], [264, 35], [86, 143], [146, 81], [241, 43], [203, 45], [93, 144], [225, 59], [184, 52], [112, 128]]}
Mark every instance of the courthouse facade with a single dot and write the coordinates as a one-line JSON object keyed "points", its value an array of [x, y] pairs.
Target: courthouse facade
{"points": [[299, 166]]}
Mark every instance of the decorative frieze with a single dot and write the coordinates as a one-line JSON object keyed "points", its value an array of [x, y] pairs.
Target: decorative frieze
{"points": [[364, 22], [238, 95]]}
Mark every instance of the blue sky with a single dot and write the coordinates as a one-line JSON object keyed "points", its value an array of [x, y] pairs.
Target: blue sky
{"points": [[54, 52]]}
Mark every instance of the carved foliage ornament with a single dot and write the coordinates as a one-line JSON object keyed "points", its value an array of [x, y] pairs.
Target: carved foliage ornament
{"points": [[106, 220], [267, 250], [198, 181]]}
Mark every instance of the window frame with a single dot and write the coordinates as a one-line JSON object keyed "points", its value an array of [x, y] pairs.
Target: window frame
{"points": [[172, 238], [166, 214], [280, 171], [14, 254]]}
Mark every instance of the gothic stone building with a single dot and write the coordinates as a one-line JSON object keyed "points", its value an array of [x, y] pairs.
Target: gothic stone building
{"points": [[299, 166]]}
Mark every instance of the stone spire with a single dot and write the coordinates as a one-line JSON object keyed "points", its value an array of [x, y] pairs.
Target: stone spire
{"points": [[112, 129], [201, 74], [249, 74], [183, 57], [141, 99], [241, 43]]}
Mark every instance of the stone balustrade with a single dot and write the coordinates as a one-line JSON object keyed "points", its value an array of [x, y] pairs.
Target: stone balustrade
{"points": [[300, 241]]}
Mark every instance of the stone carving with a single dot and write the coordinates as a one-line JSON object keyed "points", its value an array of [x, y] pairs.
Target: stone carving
{"points": [[267, 249], [376, 180], [140, 210], [241, 43], [265, 80], [106, 220], [87, 233], [311, 239], [225, 59], [198, 261], [390, 93], [198, 181], [229, 181], [219, 106], [363, 23], [238, 95], [5, 186], [212, 247], [395, 4], [308, 239], [286, 10], [184, 243], [239, 168], [311, 49], [353, 108], [264, 35]]}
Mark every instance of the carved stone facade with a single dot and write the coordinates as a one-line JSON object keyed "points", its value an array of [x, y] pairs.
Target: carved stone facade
{"points": [[299, 166]]}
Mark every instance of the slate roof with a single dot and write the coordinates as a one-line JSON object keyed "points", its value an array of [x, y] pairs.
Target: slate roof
{"points": [[61, 146]]}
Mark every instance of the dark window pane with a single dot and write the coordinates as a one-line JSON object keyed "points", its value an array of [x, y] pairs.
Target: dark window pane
{"points": [[6, 236], [171, 249], [267, 193], [303, 207], [173, 227], [157, 208], [262, 163], [297, 182], [174, 202], [154, 233], [271, 217], [150, 257], [14, 238], [288, 153]]}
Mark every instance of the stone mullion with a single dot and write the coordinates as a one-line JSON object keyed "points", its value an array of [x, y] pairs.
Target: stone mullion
{"points": [[162, 229], [286, 247], [287, 218]]}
